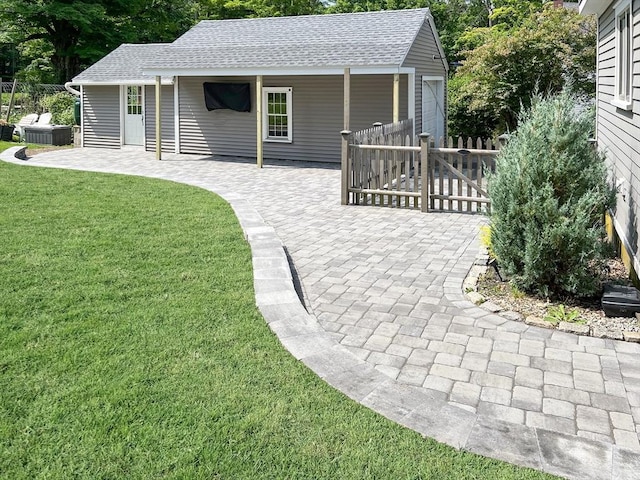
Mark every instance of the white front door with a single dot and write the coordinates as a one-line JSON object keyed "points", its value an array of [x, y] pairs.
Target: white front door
{"points": [[133, 116], [433, 116]]}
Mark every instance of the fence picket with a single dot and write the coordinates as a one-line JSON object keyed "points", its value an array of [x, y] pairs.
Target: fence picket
{"points": [[382, 157]]}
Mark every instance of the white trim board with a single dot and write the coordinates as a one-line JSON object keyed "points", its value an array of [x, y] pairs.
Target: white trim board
{"points": [[287, 72]]}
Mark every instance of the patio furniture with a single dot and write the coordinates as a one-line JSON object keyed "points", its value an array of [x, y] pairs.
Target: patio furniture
{"points": [[44, 119], [24, 121], [48, 134]]}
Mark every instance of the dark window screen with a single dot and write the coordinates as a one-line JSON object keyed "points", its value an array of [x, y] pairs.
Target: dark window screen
{"points": [[233, 96]]}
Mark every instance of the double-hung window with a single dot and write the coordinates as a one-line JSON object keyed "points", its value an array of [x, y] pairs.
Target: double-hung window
{"points": [[623, 94], [277, 113]]}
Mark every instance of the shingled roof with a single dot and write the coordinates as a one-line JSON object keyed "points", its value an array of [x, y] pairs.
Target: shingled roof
{"points": [[123, 65], [367, 39]]}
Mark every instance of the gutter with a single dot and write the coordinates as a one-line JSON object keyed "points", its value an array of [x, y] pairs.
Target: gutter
{"points": [[71, 90]]}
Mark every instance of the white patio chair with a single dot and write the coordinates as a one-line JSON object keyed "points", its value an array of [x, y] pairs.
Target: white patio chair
{"points": [[25, 121], [45, 119]]}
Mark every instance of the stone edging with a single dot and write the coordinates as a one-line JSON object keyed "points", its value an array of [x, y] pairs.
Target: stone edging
{"points": [[470, 288]]}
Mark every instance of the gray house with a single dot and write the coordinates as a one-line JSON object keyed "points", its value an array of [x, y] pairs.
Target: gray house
{"points": [[275, 87], [618, 112]]}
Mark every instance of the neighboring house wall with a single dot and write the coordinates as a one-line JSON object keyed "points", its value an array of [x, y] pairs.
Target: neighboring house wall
{"points": [[317, 116], [421, 57], [618, 130], [168, 120], [101, 116]]}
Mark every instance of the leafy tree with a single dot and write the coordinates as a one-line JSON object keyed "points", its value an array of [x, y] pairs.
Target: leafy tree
{"points": [[549, 195], [221, 9], [79, 32], [548, 50]]}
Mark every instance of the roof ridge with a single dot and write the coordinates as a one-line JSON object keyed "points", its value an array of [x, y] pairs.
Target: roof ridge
{"points": [[318, 15]]}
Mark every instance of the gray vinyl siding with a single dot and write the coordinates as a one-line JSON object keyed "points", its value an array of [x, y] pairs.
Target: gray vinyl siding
{"points": [[618, 131], [168, 120], [222, 132], [101, 116], [317, 117], [421, 57]]}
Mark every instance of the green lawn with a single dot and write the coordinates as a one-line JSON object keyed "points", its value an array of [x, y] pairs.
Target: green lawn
{"points": [[131, 347], [4, 145]]}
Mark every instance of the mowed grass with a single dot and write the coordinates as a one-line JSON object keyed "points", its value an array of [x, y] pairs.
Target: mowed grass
{"points": [[131, 347]]}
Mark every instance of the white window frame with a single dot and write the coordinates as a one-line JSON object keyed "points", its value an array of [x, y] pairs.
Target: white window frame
{"points": [[623, 86], [265, 114]]}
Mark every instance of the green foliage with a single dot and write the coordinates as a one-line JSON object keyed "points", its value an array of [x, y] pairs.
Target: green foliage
{"points": [[549, 195], [69, 36], [485, 240], [559, 313], [547, 51], [61, 107]]}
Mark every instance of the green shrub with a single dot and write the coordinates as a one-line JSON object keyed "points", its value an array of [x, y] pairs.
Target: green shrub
{"points": [[61, 107], [549, 195]]}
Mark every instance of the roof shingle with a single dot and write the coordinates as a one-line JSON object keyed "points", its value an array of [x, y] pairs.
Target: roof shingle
{"points": [[336, 40]]}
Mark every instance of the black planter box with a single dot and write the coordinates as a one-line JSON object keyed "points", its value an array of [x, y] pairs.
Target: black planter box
{"points": [[620, 301], [48, 135], [6, 132]]}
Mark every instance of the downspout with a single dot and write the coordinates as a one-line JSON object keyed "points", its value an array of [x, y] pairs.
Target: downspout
{"points": [[76, 129]]}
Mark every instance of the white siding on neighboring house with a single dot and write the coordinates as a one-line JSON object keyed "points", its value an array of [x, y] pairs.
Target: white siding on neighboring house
{"points": [[618, 130], [101, 116], [167, 118], [317, 117], [421, 57]]}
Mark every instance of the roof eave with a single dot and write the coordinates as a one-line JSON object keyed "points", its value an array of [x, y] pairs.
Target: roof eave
{"points": [[277, 71], [595, 7], [124, 81]]}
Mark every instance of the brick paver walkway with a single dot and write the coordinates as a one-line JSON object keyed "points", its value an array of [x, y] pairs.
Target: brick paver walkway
{"points": [[386, 286]]}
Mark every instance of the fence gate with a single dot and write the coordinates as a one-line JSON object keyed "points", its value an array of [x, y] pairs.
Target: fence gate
{"points": [[457, 177], [385, 166]]}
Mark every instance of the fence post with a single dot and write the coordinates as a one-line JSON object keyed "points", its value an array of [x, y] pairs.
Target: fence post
{"points": [[344, 196], [424, 171], [502, 140]]}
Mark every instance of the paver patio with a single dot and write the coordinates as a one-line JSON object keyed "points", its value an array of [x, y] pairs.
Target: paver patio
{"points": [[388, 323]]}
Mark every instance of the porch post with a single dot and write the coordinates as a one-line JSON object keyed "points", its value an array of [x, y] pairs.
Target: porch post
{"points": [[259, 140], [411, 100], [158, 120], [344, 197], [396, 97], [424, 171], [347, 98]]}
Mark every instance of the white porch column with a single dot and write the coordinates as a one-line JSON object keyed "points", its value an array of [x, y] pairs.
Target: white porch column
{"points": [[259, 140], [158, 120], [396, 97]]}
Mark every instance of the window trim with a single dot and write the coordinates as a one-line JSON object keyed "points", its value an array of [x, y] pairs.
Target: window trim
{"points": [[265, 114], [623, 7]]}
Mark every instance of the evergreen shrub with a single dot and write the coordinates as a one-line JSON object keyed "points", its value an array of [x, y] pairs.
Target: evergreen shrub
{"points": [[549, 195]]}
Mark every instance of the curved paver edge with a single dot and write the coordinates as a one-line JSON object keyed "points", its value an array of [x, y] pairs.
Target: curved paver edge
{"points": [[302, 335]]}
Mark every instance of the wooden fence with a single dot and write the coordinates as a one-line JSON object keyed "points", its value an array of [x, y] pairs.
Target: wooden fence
{"points": [[398, 170]]}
